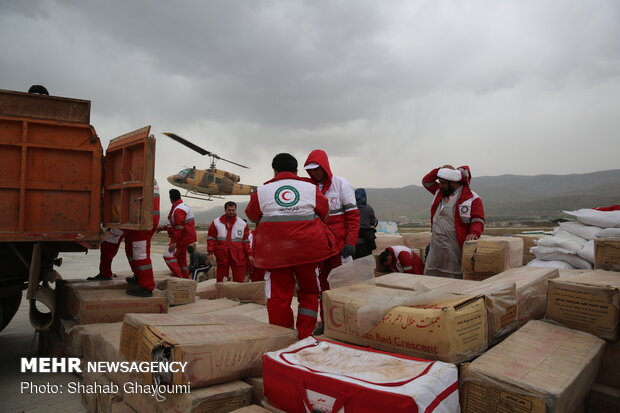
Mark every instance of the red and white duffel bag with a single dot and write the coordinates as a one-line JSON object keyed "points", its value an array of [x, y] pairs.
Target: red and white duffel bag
{"points": [[323, 376]]}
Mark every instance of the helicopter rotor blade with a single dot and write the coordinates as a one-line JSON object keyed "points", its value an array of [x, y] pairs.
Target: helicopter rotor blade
{"points": [[198, 149], [190, 145], [234, 163]]}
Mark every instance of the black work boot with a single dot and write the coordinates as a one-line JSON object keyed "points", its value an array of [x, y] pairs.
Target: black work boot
{"points": [[132, 280], [99, 277], [140, 292]]}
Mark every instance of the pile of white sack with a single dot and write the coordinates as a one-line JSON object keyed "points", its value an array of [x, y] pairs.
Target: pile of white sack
{"points": [[572, 243]]}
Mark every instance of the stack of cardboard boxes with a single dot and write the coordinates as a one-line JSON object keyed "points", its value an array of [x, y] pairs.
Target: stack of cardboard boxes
{"points": [[525, 339], [100, 322]]}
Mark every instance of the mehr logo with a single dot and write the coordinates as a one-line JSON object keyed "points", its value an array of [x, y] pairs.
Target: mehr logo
{"points": [[286, 196]]}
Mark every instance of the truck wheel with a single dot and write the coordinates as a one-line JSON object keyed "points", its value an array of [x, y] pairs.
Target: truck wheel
{"points": [[8, 307]]}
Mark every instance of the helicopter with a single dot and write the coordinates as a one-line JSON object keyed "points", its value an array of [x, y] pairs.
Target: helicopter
{"points": [[212, 182]]}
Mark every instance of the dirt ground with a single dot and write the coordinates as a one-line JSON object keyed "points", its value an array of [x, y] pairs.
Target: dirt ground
{"points": [[19, 340]]}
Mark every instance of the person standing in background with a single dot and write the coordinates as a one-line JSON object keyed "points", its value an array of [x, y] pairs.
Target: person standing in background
{"points": [[182, 232], [457, 215], [368, 222]]}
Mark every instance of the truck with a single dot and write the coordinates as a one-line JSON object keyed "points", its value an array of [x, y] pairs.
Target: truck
{"points": [[59, 191]]}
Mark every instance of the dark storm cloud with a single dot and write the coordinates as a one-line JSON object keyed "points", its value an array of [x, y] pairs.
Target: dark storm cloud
{"points": [[400, 83]]}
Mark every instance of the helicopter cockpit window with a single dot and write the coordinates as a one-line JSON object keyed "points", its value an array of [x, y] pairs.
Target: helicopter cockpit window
{"points": [[184, 172]]}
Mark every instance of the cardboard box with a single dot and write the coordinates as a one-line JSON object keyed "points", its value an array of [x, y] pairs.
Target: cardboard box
{"points": [[500, 298], [540, 368], [89, 399], [220, 398], [98, 401], [73, 335], [105, 401], [121, 407], [178, 290], [110, 306], [589, 302], [251, 409], [387, 240], [602, 399], [244, 309], [528, 242], [270, 407], [206, 289], [201, 306], [531, 285], [105, 346], [65, 290], [488, 256], [130, 338], [443, 326], [417, 240], [609, 373], [571, 273], [607, 254], [217, 348], [252, 292], [258, 388]]}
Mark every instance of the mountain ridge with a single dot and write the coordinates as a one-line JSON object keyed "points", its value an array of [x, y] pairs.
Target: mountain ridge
{"points": [[505, 197]]}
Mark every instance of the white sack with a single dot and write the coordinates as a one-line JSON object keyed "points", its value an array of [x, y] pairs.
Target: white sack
{"points": [[561, 241], [588, 232], [550, 264], [603, 219], [587, 252], [572, 259], [609, 233]]}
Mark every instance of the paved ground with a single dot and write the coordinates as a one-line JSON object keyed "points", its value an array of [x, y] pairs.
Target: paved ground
{"points": [[19, 340]]}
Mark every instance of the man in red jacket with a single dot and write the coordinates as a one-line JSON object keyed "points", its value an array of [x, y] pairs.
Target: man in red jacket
{"points": [[344, 217], [228, 244], [137, 250], [457, 215], [290, 242], [182, 232], [399, 258]]}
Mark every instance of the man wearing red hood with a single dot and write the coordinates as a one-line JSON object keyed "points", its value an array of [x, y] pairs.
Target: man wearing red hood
{"points": [[344, 217], [290, 242], [457, 215]]}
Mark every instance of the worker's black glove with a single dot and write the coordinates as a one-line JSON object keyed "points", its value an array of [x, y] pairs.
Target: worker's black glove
{"points": [[347, 250]]}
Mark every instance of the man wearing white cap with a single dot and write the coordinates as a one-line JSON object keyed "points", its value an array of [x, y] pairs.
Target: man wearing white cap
{"points": [[457, 215]]}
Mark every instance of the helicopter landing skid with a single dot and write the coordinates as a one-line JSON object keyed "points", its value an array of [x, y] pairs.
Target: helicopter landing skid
{"points": [[208, 198]]}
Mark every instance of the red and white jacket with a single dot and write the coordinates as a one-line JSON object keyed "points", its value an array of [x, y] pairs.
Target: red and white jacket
{"points": [[468, 211], [181, 227], [344, 217], [229, 236], [156, 204], [405, 260], [291, 231]]}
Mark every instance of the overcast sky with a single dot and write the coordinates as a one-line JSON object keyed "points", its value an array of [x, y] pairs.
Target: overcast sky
{"points": [[389, 89]]}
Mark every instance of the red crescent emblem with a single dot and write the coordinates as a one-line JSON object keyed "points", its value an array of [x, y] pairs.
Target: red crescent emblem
{"points": [[332, 318], [284, 195]]}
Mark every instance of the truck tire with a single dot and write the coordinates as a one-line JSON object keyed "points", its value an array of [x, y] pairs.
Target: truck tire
{"points": [[8, 307]]}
